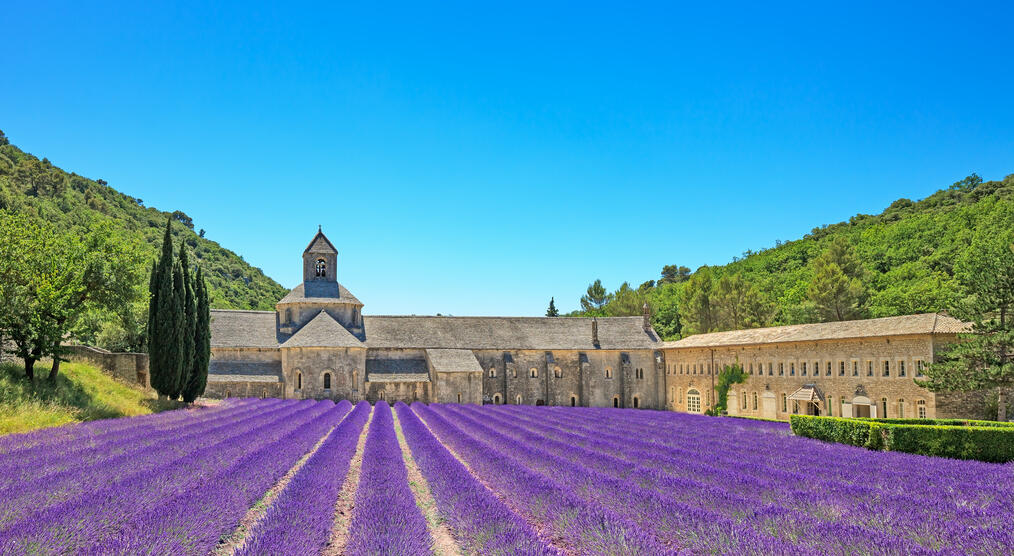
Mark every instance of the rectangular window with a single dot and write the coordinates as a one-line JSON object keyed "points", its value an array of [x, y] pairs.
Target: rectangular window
{"points": [[744, 399], [771, 368], [855, 368], [901, 368], [755, 401], [802, 370], [869, 368], [919, 367], [828, 372], [841, 368], [830, 406], [751, 368], [785, 403], [781, 369], [792, 369]]}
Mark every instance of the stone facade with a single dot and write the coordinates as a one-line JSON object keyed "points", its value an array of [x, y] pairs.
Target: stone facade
{"points": [[318, 344], [862, 369], [131, 368]]}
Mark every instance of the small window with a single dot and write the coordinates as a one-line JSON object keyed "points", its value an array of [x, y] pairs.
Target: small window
{"points": [[299, 381], [830, 406], [771, 369], [380, 395], [841, 368], [828, 371], [492, 372], [743, 396], [901, 368], [264, 392], [533, 372], [901, 409], [755, 401], [802, 369], [609, 373], [518, 400], [785, 402], [919, 368], [887, 368], [795, 407], [558, 372], [321, 268], [637, 402], [514, 373], [751, 368], [781, 369], [616, 401], [920, 409], [228, 394], [573, 401], [672, 393], [883, 405], [496, 399], [869, 368], [459, 397], [792, 369], [327, 381]]}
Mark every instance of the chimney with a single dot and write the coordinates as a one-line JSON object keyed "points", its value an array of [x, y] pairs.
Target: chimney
{"points": [[646, 317], [595, 331]]}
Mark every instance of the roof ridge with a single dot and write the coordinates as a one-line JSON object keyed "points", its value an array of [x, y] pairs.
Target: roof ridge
{"points": [[498, 317], [241, 310]]}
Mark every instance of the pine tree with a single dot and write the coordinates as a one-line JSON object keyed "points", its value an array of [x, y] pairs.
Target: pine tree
{"points": [[189, 322], [837, 285], [202, 343], [552, 311]]}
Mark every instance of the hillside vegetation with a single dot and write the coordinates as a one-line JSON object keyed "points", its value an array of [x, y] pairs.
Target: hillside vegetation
{"points": [[36, 188], [901, 261], [80, 393]]}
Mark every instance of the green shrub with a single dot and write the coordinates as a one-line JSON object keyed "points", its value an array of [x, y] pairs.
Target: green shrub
{"points": [[985, 441]]}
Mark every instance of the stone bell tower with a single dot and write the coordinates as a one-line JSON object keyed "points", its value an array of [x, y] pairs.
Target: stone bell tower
{"points": [[320, 260]]}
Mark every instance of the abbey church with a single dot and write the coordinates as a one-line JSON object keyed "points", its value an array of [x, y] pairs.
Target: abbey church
{"points": [[317, 343]]}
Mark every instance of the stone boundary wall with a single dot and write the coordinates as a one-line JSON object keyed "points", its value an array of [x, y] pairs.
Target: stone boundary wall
{"points": [[131, 368]]}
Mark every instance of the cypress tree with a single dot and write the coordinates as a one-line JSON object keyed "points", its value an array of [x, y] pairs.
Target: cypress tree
{"points": [[177, 330], [161, 321], [152, 304], [189, 322], [202, 343]]}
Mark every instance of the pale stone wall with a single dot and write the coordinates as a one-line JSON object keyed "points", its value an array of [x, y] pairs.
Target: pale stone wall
{"points": [[784, 365], [392, 392], [346, 367], [457, 387], [244, 389], [131, 368]]}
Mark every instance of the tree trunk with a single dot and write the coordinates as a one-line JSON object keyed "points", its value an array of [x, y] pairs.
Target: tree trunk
{"points": [[1001, 405], [30, 368], [55, 370]]}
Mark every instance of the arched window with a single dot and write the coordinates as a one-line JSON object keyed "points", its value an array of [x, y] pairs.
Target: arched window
{"points": [[830, 406], [558, 372], [637, 402], [616, 401], [533, 372], [514, 373], [573, 401], [518, 400], [327, 381], [920, 409], [320, 268], [609, 373], [694, 401], [883, 405], [299, 380], [492, 372], [496, 399], [755, 401], [742, 396], [228, 394], [264, 393], [901, 408], [672, 394], [380, 395], [459, 397], [785, 403]]}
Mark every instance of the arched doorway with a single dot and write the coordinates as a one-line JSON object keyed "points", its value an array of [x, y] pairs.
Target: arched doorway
{"points": [[862, 407], [496, 399], [637, 402]]}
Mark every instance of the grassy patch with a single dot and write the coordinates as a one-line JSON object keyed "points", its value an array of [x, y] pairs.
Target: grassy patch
{"points": [[81, 393]]}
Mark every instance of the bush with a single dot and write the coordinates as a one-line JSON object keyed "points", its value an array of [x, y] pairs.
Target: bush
{"points": [[953, 438]]}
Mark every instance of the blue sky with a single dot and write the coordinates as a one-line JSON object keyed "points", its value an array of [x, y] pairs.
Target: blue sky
{"points": [[467, 158]]}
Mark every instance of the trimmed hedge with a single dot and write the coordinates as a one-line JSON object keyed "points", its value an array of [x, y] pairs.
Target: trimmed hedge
{"points": [[951, 422], [992, 443]]}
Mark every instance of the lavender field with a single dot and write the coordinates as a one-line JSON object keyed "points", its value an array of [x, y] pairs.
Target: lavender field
{"points": [[314, 477]]}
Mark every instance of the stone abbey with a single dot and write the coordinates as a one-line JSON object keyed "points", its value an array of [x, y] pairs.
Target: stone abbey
{"points": [[317, 343]]}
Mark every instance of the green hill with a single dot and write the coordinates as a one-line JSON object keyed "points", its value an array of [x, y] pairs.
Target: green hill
{"points": [[41, 190], [907, 253]]}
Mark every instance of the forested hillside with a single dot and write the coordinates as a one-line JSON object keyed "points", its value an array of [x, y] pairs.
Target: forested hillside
{"points": [[36, 188], [901, 261]]}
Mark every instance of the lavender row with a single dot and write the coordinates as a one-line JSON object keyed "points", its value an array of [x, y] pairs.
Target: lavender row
{"points": [[38, 466], [214, 502], [20, 445], [714, 511], [482, 524], [77, 522], [386, 519], [64, 487], [300, 519], [924, 500], [581, 526]]}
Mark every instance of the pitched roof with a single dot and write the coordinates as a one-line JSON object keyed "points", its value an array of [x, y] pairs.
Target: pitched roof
{"points": [[320, 244], [231, 328], [257, 329], [808, 393], [322, 331], [926, 323], [396, 366], [453, 361], [506, 333], [244, 371], [409, 377], [319, 292]]}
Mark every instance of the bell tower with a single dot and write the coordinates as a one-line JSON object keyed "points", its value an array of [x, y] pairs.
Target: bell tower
{"points": [[320, 260]]}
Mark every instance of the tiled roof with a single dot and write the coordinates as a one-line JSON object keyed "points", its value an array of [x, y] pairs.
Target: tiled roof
{"points": [[409, 377], [453, 361], [243, 329], [507, 333], [244, 371], [319, 292], [927, 323], [322, 331], [320, 244], [257, 329], [396, 366]]}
